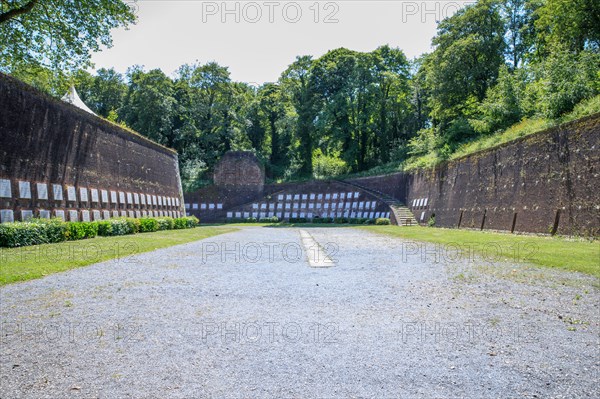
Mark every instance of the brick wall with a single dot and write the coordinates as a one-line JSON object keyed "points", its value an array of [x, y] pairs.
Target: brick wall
{"points": [[50, 149]]}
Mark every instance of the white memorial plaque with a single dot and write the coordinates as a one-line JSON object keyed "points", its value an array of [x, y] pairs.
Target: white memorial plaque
{"points": [[94, 193], [229, 215], [356, 195], [361, 205], [325, 215], [320, 196], [342, 195], [44, 214], [279, 215], [57, 192], [288, 206], [311, 205], [333, 205], [312, 196], [164, 201], [263, 215], [130, 214], [26, 215], [168, 201], [136, 198], [85, 216], [255, 215], [143, 199], [263, 206], [280, 197], [42, 191], [349, 195], [246, 214], [144, 214], [326, 205], [310, 215], [73, 216], [122, 198], [129, 199], [219, 206], [302, 215], [335, 196], [254, 206], [280, 206], [288, 197], [360, 214], [318, 205], [339, 214], [71, 193], [148, 199], [5, 190], [187, 206], [211, 206], [59, 214], [7, 216], [294, 215], [296, 196], [113, 197], [195, 206], [138, 214], [96, 215], [115, 214], [203, 206], [83, 194], [238, 214], [105, 214], [304, 196], [303, 205], [123, 214], [286, 215], [295, 205], [387, 215], [176, 201], [327, 196], [24, 189]]}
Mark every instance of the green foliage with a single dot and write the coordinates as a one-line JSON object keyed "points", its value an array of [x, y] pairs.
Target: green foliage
{"points": [[81, 230], [327, 166], [148, 225], [382, 221], [33, 232], [431, 221], [115, 227], [57, 34], [166, 223]]}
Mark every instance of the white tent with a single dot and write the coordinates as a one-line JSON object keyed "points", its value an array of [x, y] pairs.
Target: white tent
{"points": [[72, 97]]}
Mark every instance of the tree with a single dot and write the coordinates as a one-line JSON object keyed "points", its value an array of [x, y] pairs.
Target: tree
{"points": [[60, 35]]}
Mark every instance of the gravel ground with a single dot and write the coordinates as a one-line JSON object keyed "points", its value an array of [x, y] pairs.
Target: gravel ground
{"points": [[244, 315]]}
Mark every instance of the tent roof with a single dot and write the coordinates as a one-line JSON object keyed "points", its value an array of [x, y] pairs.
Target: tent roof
{"points": [[72, 97]]}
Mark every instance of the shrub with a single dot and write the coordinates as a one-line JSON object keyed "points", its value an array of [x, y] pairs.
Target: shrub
{"points": [[133, 224], [180, 223], [192, 221], [116, 227], [431, 221], [382, 221], [165, 223], [33, 232], [148, 225]]}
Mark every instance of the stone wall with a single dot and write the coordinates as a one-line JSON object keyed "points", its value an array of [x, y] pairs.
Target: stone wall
{"points": [[544, 183], [57, 160]]}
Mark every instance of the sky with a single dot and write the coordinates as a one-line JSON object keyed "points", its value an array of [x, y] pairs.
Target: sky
{"points": [[257, 40]]}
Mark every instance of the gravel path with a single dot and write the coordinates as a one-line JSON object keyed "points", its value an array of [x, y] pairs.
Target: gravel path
{"points": [[244, 315]]}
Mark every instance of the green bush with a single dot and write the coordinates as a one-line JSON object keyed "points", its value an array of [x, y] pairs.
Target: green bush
{"points": [[382, 221], [165, 223], [116, 227], [148, 225], [33, 232], [180, 223], [133, 225], [192, 221], [81, 230]]}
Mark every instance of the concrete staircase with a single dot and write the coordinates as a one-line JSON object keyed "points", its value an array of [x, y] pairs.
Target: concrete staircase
{"points": [[400, 214]]}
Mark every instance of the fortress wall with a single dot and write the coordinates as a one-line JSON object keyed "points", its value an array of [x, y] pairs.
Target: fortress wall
{"points": [[50, 150]]}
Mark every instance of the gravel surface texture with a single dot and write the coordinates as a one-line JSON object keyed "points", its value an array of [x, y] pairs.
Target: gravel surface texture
{"points": [[244, 315]]}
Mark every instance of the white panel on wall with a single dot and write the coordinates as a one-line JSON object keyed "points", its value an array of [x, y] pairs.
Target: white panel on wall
{"points": [[7, 216], [59, 214], [5, 190], [327, 196], [57, 192], [73, 216], [238, 214], [104, 195], [160, 200], [83, 194], [42, 191], [138, 214], [123, 214], [26, 215], [105, 214], [24, 189], [219, 206], [203, 206], [280, 197], [148, 199], [71, 193], [122, 198], [195, 206], [143, 199], [211, 206], [113, 197], [131, 214], [312, 196], [342, 195], [187, 206], [229, 215], [304, 196], [44, 214], [129, 199], [94, 194], [96, 215], [85, 216], [154, 202], [136, 198], [115, 214]]}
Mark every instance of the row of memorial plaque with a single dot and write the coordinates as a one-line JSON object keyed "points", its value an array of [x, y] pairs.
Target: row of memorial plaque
{"points": [[309, 215], [318, 205], [294, 197], [7, 215], [418, 203], [204, 206], [120, 197]]}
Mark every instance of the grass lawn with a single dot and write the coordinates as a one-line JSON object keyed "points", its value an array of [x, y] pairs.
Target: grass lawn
{"points": [[27, 263], [557, 252]]}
